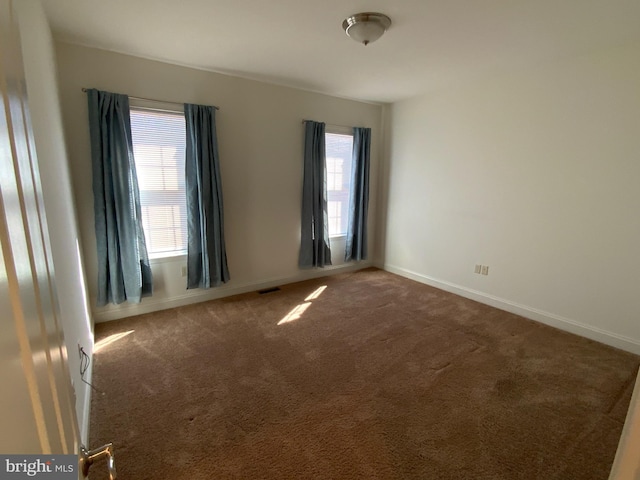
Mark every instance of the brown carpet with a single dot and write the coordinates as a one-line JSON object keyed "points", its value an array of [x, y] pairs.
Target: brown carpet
{"points": [[379, 378]]}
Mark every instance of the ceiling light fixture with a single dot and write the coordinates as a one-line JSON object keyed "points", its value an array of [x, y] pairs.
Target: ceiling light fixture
{"points": [[366, 27]]}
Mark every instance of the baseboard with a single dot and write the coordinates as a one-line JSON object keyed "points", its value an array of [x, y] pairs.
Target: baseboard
{"points": [[378, 264], [551, 319], [149, 305]]}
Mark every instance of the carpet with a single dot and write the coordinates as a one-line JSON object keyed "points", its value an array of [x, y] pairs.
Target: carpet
{"points": [[364, 375]]}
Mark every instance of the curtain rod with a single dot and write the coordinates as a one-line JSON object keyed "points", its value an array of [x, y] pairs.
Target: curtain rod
{"points": [[329, 124], [154, 100]]}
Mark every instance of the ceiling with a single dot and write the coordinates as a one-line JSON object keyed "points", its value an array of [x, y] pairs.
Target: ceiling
{"points": [[300, 43]]}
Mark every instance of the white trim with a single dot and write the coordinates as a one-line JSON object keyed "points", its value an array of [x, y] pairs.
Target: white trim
{"points": [[86, 408], [149, 305], [166, 258], [626, 465], [338, 130], [143, 105], [563, 323]]}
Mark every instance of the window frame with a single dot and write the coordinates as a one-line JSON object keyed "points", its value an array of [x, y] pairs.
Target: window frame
{"points": [[173, 109], [338, 130]]}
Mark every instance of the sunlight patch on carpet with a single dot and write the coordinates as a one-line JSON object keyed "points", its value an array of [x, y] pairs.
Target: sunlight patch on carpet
{"points": [[295, 314], [105, 342], [315, 294]]}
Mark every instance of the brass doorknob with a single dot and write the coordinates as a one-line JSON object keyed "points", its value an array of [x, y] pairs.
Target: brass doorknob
{"points": [[88, 458]]}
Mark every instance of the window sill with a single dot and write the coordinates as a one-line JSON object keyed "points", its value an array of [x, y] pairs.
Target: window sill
{"points": [[168, 257]]}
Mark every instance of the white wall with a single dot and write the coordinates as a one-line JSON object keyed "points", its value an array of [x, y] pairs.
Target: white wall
{"points": [[536, 174], [42, 88], [261, 142]]}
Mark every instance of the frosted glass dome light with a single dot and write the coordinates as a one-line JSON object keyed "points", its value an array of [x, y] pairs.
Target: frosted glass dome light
{"points": [[366, 27]]}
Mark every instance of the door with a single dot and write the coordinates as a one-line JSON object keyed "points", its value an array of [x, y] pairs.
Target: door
{"points": [[37, 411]]}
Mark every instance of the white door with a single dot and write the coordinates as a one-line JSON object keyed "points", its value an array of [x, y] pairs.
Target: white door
{"points": [[37, 411]]}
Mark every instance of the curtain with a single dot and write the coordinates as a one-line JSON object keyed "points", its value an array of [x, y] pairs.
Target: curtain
{"points": [[356, 242], [206, 252], [314, 245], [124, 272]]}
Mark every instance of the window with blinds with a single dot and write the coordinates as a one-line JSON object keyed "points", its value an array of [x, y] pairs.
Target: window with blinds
{"points": [[339, 153], [159, 152]]}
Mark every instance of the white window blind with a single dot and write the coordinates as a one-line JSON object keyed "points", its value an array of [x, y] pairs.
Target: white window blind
{"points": [[159, 152], [339, 161]]}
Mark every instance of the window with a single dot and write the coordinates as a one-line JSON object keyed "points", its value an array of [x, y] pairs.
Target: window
{"points": [[159, 152], [339, 147]]}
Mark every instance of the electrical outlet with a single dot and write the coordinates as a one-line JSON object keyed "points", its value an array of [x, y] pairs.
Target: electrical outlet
{"points": [[184, 271], [481, 269]]}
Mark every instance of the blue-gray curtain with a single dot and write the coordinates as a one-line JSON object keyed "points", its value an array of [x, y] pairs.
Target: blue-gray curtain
{"points": [[356, 242], [315, 250], [124, 272], [206, 252]]}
